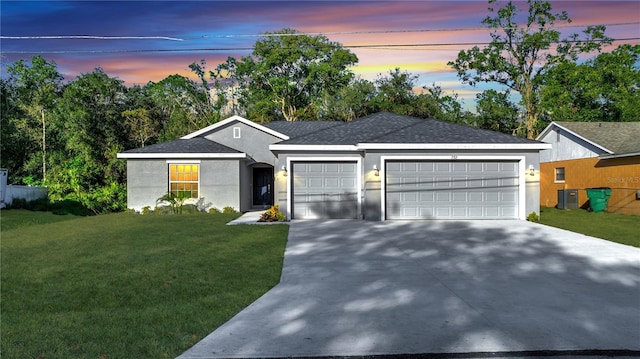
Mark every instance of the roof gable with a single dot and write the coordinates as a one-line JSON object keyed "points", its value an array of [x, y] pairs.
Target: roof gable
{"points": [[614, 138], [232, 119]]}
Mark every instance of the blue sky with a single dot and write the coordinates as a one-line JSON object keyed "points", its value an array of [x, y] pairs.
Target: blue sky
{"points": [[214, 30]]}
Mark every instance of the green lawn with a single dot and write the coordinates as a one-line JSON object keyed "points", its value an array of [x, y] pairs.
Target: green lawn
{"points": [[618, 228], [127, 286]]}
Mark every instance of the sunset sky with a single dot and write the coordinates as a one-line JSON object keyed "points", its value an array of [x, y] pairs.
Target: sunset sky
{"points": [[170, 34]]}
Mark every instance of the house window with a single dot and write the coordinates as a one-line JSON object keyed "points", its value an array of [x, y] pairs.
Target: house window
{"points": [[236, 132], [184, 178], [559, 174]]}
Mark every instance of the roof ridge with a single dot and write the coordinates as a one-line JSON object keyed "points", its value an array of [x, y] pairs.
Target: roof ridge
{"points": [[418, 120]]}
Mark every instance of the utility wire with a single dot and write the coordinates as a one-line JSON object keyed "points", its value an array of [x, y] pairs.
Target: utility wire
{"points": [[364, 32], [92, 37], [216, 49]]}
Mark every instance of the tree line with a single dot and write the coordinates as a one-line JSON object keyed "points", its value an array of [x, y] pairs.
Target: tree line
{"points": [[66, 134]]}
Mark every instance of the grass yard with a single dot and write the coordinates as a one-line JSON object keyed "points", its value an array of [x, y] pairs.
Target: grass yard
{"points": [[127, 286], [618, 228]]}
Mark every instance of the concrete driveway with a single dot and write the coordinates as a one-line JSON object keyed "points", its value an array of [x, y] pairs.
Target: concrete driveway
{"points": [[353, 288]]}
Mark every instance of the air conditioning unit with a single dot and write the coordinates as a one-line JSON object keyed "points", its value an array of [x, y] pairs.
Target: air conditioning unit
{"points": [[567, 199]]}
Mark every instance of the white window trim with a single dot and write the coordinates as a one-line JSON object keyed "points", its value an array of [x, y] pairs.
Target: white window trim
{"points": [[555, 175], [237, 132], [169, 163], [522, 188], [186, 162], [291, 160]]}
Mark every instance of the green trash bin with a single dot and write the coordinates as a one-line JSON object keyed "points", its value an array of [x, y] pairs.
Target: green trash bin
{"points": [[598, 198]]}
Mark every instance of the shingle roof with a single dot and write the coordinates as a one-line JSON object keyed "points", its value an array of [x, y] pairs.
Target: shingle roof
{"points": [[385, 127], [194, 145], [301, 128], [619, 137]]}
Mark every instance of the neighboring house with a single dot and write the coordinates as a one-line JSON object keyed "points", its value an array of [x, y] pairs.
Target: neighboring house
{"points": [[382, 166], [592, 155]]}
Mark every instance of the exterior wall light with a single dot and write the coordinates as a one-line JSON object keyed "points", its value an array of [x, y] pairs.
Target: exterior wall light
{"points": [[284, 171], [376, 170], [532, 170]]}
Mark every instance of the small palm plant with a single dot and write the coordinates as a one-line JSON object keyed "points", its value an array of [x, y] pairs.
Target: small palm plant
{"points": [[175, 201]]}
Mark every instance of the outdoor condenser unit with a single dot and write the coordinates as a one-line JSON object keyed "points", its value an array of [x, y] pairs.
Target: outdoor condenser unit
{"points": [[567, 199]]}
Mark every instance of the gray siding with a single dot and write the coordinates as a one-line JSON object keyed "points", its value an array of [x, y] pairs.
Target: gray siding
{"points": [[567, 147]]}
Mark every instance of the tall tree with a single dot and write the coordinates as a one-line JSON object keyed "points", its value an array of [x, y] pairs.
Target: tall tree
{"points": [[90, 110], [286, 71], [606, 88], [496, 112], [181, 106], [395, 93], [348, 103], [522, 49], [36, 86], [142, 128]]}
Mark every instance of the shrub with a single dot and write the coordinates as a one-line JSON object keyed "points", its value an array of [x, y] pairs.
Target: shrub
{"points": [[533, 217], [146, 210], [228, 210], [214, 210], [273, 214], [175, 201], [19, 203]]}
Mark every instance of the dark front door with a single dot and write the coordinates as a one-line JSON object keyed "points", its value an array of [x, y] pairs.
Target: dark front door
{"points": [[263, 186]]}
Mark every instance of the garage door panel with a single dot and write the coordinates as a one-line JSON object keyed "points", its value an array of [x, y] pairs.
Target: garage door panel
{"points": [[454, 189], [324, 190]]}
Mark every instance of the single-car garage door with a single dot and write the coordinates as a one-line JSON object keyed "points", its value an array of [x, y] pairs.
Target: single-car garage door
{"points": [[451, 190], [324, 190]]}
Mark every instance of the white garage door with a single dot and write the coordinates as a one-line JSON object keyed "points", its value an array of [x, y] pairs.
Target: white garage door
{"points": [[324, 190], [451, 190]]}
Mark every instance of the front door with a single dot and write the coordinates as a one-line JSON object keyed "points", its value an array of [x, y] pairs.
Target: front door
{"points": [[262, 186]]}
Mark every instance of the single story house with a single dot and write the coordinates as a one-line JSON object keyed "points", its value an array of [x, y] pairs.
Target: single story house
{"points": [[378, 167], [591, 155]]}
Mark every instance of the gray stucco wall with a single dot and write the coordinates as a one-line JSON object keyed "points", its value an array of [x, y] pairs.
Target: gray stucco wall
{"points": [[253, 142], [147, 180], [220, 183]]}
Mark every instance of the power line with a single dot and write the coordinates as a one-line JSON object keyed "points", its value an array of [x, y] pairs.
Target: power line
{"points": [[367, 32], [217, 49], [364, 32], [91, 37]]}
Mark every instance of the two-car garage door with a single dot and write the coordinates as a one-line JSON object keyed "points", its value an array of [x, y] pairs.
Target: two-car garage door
{"points": [[451, 189]]}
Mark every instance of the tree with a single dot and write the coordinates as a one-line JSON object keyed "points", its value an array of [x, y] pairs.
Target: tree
{"points": [[350, 102], [606, 88], [496, 112], [285, 73], [519, 54], [395, 93], [142, 126], [35, 87], [90, 116]]}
